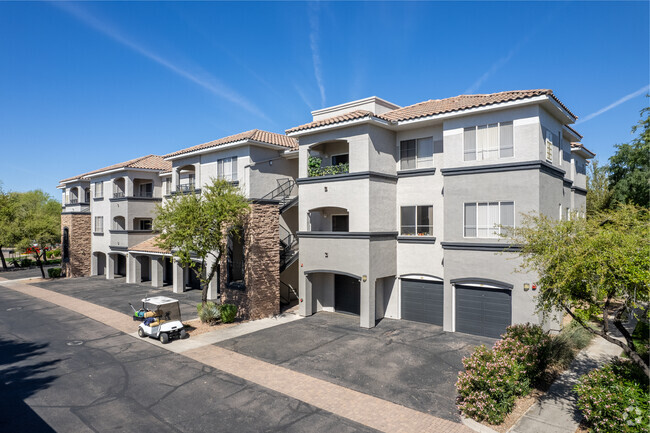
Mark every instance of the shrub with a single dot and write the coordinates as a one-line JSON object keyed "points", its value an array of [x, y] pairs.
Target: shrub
{"points": [[489, 385], [53, 253], [209, 314], [228, 312], [614, 398], [532, 350], [564, 346], [54, 272], [25, 263]]}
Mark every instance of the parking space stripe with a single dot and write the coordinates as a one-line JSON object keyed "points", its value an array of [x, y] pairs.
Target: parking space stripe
{"points": [[356, 406]]}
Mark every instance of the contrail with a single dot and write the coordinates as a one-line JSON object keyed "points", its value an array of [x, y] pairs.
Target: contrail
{"points": [[625, 98], [207, 81], [315, 53]]}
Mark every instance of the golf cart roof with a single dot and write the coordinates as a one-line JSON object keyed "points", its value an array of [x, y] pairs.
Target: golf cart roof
{"points": [[159, 300]]}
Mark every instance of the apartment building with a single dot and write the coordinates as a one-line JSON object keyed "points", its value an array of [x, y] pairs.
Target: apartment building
{"points": [[401, 208], [108, 214]]}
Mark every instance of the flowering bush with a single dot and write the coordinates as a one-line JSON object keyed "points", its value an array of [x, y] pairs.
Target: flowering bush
{"points": [[494, 378], [614, 398]]}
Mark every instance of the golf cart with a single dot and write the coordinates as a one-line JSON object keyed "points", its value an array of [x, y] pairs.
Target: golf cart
{"points": [[161, 319]]}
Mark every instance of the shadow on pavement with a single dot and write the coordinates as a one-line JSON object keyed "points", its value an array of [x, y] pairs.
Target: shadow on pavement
{"points": [[19, 380]]}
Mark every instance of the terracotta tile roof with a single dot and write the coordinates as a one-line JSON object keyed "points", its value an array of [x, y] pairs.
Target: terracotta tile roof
{"points": [[149, 246], [78, 177], [152, 162], [358, 114], [253, 135], [575, 145], [437, 106]]}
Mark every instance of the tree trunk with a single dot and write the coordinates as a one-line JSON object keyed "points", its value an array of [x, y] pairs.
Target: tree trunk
{"points": [[40, 264], [634, 356], [2, 256]]}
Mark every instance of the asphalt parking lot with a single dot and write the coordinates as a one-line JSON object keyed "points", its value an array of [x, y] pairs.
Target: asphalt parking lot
{"points": [[412, 364], [116, 294], [61, 371]]}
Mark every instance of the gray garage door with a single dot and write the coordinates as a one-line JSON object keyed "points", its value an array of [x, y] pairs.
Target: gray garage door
{"points": [[422, 301], [482, 311], [347, 294]]}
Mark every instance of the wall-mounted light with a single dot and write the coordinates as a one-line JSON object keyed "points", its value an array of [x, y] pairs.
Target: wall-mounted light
{"points": [[526, 287], [534, 286], [364, 278], [270, 162]]}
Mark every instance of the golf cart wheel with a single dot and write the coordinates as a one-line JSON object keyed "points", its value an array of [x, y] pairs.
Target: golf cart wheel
{"points": [[183, 334], [141, 333], [164, 338]]}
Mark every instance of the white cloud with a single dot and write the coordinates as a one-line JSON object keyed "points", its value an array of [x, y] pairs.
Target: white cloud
{"points": [[314, 30], [200, 77], [625, 98]]}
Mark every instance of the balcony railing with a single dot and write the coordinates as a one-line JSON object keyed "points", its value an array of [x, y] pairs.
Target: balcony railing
{"points": [[73, 201], [118, 194], [185, 187], [145, 194]]}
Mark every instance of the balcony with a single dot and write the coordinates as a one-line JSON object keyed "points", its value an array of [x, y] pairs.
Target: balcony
{"points": [[74, 206], [186, 188], [118, 194], [316, 169]]}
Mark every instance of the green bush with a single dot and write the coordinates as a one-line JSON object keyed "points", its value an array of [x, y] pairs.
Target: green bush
{"points": [[54, 272], [53, 253], [493, 379], [641, 337], [25, 263], [614, 398], [315, 167], [228, 312], [209, 314], [564, 346]]}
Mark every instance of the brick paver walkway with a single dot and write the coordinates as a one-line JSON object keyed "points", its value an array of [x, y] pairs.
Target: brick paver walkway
{"points": [[362, 408]]}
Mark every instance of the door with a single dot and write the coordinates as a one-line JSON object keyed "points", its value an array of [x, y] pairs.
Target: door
{"points": [[482, 311], [121, 265], [422, 301], [347, 294]]}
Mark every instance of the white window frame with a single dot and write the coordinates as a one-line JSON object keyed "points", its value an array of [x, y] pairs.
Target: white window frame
{"points": [[498, 148], [496, 229], [416, 206], [100, 186], [232, 160], [100, 220], [417, 151]]}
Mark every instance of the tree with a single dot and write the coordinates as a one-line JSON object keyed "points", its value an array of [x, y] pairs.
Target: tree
{"points": [[195, 227], [598, 193], [629, 167], [37, 221], [8, 232], [598, 266]]}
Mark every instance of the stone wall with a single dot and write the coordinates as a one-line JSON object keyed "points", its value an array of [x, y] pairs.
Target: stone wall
{"points": [[79, 236], [261, 295]]}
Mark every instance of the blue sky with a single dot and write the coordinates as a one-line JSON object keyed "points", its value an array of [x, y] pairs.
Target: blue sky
{"points": [[85, 85]]}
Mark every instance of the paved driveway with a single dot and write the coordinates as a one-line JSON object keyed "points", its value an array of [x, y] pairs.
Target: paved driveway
{"points": [[116, 294], [61, 371], [408, 363]]}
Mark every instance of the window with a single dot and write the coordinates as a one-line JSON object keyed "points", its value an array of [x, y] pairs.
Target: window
{"points": [[227, 169], [340, 159], [484, 220], [485, 142], [340, 223], [416, 153], [416, 220], [145, 224], [99, 224], [145, 190]]}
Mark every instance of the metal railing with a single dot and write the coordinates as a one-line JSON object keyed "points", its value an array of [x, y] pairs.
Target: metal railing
{"points": [[185, 187], [148, 194], [118, 194]]}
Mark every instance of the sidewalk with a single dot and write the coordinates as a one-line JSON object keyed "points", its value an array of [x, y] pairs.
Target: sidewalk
{"points": [[556, 411]]}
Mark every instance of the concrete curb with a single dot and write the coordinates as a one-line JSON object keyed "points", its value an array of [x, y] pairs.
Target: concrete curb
{"points": [[476, 426]]}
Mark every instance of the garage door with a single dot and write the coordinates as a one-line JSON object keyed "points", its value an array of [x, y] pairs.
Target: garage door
{"points": [[422, 301], [347, 294], [482, 311]]}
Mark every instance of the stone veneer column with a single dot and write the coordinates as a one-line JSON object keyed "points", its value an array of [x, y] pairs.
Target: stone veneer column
{"points": [[262, 260], [79, 238]]}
